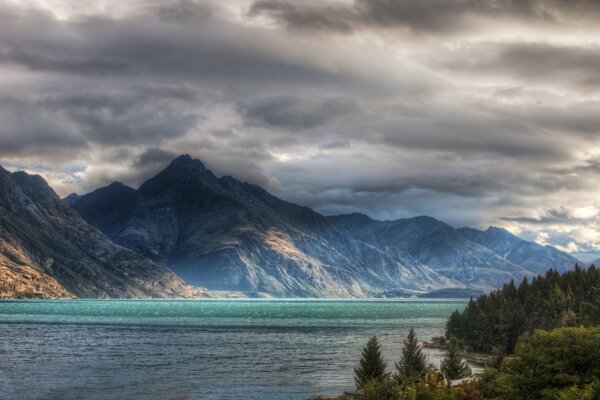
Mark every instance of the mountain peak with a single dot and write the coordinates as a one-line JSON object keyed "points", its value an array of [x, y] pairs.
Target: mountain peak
{"points": [[492, 228], [71, 199], [118, 186], [34, 186], [186, 161], [182, 169], [349, 219]]}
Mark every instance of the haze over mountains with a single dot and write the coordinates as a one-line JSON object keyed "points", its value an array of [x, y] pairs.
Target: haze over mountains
{"points": [[529, 255], [224, 234]]}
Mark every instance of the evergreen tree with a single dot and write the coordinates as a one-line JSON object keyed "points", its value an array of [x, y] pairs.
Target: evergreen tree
{"points": [[493, 322], [452, 366], [412, 364], [372, 366]]}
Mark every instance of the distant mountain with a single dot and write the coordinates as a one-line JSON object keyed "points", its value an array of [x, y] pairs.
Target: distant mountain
{"points": [[72, 198], [587, 257], [529, 255], [437, 245], [224, 234], [48, 250]]}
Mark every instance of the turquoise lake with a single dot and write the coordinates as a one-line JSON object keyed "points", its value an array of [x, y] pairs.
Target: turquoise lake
{"points": [[201, 349]]}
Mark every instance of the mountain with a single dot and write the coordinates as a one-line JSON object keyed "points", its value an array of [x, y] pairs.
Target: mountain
{"points": [[72, 198], [48, 250], [587, 257], [224, 234], [437, 245], [529, 255]]}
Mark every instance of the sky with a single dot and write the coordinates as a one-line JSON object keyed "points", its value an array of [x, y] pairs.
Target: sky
{"points": [[476, 112]]}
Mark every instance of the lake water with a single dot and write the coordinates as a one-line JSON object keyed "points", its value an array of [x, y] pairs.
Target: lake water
{"points": [[200, 349]]}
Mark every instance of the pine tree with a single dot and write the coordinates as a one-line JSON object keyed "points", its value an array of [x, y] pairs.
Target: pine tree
{"points": [[372, 366], [452, 366], [412, 364]]}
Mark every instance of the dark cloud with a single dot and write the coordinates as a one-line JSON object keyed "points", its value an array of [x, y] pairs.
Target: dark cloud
{"points": [[298, 113], [425, 16], [550, 217], [574, 65], [27, 129], [154, 157], [310, 15], [474, 111], [184, 11], [44, 62]]}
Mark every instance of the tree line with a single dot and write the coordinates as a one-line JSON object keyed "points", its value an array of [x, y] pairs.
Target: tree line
{"points": [[412, 377], [546, 333], [559, 364], [493, 323]]}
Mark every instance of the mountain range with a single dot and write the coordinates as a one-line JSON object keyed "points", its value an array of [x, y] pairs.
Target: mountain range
{"points": [[529, 255], [224, 234], [48, 250]]}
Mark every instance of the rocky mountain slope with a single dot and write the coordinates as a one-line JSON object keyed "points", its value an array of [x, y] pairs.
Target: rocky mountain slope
{"points": [[48, 250], [224, 234], [529, 255], [221, 233], [437, 245]]}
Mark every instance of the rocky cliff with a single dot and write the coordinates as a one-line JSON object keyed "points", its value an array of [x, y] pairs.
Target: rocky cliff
{"points": [[48, 250]]}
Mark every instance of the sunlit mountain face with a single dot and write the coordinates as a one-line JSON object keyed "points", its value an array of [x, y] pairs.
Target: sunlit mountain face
{"points": [[478, 113]]}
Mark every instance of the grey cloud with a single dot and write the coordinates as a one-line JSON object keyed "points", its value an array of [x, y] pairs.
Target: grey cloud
{"points": [[48, 62], [184, 10], [118, 116], [381, 122], [537, 62], [310, 15], [298, 113], [153, 157], [426, 16], [27, 129], [551, 217]]}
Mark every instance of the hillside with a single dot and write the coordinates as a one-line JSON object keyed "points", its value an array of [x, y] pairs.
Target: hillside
{"points": [[48, 250], [229, 235], [529, 255], [225, 234]]}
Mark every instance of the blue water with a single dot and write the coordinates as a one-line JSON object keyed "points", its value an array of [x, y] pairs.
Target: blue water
{"points": [[201, 349]]}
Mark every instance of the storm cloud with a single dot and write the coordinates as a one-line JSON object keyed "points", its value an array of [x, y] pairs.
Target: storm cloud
{"points": [[477, 112]]}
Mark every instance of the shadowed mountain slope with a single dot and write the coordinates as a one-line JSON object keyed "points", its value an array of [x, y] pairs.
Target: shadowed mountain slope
{"points": [[48, 250], [221, 233], [230, 235]]}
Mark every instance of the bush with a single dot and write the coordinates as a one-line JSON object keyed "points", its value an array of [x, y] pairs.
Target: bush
{"points": [[559, 364]]}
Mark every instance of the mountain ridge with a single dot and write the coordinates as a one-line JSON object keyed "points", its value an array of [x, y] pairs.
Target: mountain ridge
{"points": [[223, 233], [48, 250], [529, 255]]}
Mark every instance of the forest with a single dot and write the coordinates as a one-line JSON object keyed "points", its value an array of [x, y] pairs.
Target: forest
{"points": [[545, 335], [493, 322]]}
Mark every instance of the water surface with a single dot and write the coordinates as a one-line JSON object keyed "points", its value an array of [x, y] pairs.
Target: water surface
{"points": [[200, 349]]}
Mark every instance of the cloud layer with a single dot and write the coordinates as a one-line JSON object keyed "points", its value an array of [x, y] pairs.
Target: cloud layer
{"points": [[477, 112]]}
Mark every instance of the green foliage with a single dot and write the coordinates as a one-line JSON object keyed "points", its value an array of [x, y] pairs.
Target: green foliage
{"points": [[439, 340], [493, 323], [430, 386], [433, 387], [412, 365], [377, 389], [371, 366], [453, 366], [467, 391], [562, 364]]}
